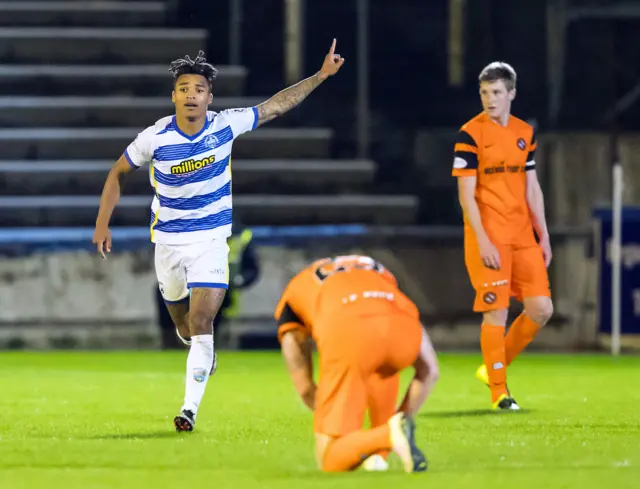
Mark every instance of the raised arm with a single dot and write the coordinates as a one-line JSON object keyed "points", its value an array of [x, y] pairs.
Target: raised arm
{"points": [[288, 98]]}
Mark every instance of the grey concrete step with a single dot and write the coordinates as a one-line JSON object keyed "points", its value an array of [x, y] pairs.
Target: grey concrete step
{"points": [[82, 177], [110, 143], [87, 13], [89, 111], [98, 44], [124, 80], [79, 211]]}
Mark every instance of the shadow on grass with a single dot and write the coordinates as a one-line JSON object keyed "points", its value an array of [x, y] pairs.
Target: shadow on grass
{"points": [[139, 436], [470, 413]]}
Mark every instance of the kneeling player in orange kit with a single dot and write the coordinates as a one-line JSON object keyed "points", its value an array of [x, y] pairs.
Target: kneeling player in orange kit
{"points": [[366, 331]]}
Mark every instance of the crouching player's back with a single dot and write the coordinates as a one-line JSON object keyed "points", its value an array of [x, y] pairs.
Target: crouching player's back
{"points": [[366, 331]]}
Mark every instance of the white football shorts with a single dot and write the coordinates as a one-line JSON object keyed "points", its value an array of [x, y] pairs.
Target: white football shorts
{"points": [[182, 267]]}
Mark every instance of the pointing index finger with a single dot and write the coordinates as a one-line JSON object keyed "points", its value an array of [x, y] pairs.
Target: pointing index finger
{"points": [[333, 47]]}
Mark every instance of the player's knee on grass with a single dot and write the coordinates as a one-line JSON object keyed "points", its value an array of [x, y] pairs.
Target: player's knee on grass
{"points": [[205, 303], [539, 309], [497, 317]]}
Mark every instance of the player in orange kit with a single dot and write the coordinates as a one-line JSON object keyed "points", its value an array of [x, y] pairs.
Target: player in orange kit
{"points": [[502, 204], [366, 331]]}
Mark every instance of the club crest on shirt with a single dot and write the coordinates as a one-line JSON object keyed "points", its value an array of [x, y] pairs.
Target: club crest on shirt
{"points": [[211, 141], [522, 144], [489, 297]]}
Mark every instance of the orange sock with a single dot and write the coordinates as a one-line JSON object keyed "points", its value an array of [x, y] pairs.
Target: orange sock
{"points": [[520, 334], [348, 452], [493, 352]]}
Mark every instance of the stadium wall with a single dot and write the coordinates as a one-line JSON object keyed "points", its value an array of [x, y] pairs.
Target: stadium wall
{"points": [[76, 299]]}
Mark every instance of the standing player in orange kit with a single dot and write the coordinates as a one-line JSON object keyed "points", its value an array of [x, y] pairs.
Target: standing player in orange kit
{"points": [[366, 331], [502, 204]]}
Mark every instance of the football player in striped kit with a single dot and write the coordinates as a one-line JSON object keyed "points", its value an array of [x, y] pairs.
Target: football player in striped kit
{"points": [[191, 214]]}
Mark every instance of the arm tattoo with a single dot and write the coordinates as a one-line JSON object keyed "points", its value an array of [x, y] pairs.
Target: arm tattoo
{"points": [[287, 99]]}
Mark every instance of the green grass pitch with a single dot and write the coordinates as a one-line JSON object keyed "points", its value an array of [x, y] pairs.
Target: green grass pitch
{"points": [[104, 420]]}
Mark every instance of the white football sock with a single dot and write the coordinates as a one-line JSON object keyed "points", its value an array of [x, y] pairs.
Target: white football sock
{"points": [[199, 362]]}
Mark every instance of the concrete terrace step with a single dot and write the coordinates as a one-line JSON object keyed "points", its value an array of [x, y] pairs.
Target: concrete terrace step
{"points": [[98, 45], [98, 111], [79, 211], [110, 143], [148, 80], [86, 13], [24, 177]]}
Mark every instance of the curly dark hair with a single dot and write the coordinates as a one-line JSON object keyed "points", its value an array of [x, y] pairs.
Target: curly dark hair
{"points": [[188, 66]]}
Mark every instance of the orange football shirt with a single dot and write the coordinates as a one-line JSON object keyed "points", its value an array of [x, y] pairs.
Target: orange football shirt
{"points": [[499, 156], [343, 285]]}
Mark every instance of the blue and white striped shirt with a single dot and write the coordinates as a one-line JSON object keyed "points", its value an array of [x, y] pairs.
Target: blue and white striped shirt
{"points": [[191, 175]]}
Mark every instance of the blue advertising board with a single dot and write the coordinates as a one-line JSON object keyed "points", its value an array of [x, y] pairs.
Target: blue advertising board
{"points": [[630, 270]]}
